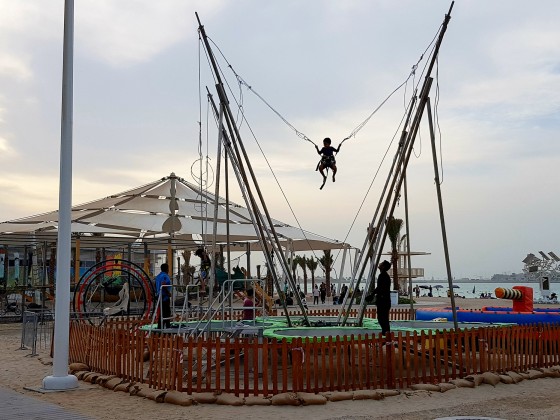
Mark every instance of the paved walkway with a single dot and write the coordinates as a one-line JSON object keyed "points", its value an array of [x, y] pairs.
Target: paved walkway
{"points": [[18, 406]]}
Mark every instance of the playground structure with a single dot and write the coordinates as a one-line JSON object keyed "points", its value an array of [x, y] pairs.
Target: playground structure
{"points": [[522, 311], [544, 270]]}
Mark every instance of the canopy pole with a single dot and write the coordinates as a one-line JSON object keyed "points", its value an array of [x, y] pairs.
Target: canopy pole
{"points": [[60, 379]]}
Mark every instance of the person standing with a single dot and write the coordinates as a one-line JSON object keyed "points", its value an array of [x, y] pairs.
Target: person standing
{"points": [[383, 301], [163, 290], [342, 294], [323, 292], [316, 295], [249, 305]]}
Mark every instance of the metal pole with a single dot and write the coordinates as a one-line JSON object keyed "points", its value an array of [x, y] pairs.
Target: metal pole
{"points": [[211, 275], [248, 245], [408, 246], [388, 208], [60, 379], [241, 155], [441, 216], [228, 249], [255, 216]]}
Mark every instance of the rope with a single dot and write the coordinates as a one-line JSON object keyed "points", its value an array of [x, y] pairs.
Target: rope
{"points": [[242, 113], [373, 180], [242, 82]]}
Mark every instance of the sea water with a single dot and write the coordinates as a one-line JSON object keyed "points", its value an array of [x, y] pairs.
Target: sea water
{"points": [[475, 289]]}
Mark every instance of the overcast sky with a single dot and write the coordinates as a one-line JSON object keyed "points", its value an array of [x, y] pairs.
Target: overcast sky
{"points": [[325, 66]]}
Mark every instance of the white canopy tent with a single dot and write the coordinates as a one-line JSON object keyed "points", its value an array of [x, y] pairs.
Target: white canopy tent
{"points": [[167, 211]]}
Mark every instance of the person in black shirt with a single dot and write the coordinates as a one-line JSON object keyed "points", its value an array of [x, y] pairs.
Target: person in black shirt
{"points": [[327, 158], [383, 301]]}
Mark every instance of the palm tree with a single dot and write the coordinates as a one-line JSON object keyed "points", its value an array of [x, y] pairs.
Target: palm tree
{"points": [[295, 265], [394, 227], [302, 261], [312, 264], [327, 261]]}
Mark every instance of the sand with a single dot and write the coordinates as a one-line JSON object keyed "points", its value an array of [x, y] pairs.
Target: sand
{"points": [[528, 399]]}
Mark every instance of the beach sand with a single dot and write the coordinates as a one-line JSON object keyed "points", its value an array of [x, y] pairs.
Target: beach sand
{"points": [[528, 399]]}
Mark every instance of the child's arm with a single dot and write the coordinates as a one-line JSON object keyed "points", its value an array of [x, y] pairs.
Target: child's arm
{"points": [[317, 147]]}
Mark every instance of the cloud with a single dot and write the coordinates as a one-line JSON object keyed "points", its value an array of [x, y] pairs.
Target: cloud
{"points": [[15, 67], [129, 32], [6, 151]]}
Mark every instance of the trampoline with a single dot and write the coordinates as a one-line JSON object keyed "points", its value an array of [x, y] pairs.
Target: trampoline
{"points": [[425, 326], [320, 321], [320, 333]]}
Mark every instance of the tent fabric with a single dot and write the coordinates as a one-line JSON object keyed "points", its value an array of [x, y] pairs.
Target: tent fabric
{"points": [[154, 213]]}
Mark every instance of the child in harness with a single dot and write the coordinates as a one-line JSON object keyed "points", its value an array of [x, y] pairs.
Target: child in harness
{"points": [[327, 159]]}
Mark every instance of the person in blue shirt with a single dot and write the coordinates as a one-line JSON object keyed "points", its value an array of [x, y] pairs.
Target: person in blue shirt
{"points": [[327, 158], [162, 279]]}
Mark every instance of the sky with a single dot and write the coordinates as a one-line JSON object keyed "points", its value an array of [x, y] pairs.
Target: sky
{"points": [[140, 111]]}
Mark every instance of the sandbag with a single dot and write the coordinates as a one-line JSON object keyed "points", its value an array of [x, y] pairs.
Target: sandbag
{"points": [[462, 383], [135, 389], [506, 379], [388, 392], [76, 366], [229, 399], [490, 378], [179, 398], [125, 386], [92, 377], [555, 367], [476, 379], [366, 394], [157, 395], [80, 374], [516, 377], [308, 398], [524, 375], [112, 383], [339, 396], [204, 397], [535, 374], [286, 398], [425, 387], [445, 386], [550, 373], [104, 378], [253, 400]]}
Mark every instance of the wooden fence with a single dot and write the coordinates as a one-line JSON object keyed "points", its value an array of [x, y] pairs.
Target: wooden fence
{"points": [[396, 314], [256, 366]]}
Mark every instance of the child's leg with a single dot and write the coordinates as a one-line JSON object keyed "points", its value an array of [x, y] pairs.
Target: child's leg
{"points": [[333, 167], [321, 169]]}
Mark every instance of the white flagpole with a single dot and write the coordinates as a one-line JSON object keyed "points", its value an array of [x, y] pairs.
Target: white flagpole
{"points": [[60, 379]]}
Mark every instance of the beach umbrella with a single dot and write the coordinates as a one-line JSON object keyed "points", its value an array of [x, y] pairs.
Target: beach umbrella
{"points": [[455, 286], [438, 286], [424, 287]]}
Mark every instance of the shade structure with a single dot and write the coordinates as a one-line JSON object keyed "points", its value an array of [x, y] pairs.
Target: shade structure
{"points": [[167, 211]]}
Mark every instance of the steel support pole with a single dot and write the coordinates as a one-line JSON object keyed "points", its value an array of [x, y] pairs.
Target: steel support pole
{"points": [[441, 216], [60, 379]]}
